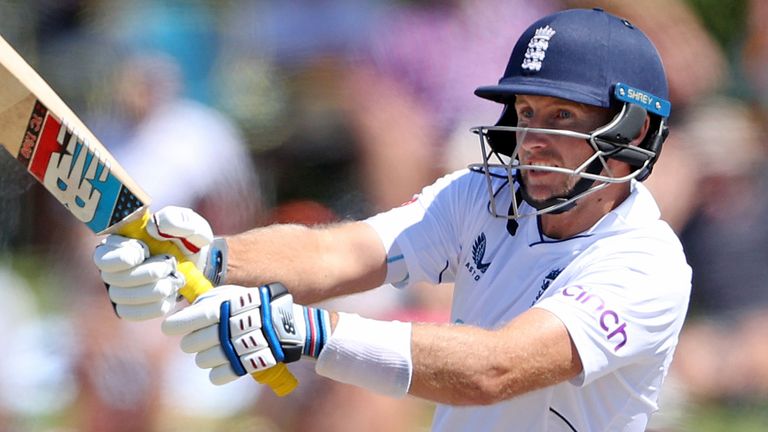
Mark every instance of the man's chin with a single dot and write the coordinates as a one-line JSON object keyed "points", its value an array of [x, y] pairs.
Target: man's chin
{"points": [[539, 198], [538, 195]]}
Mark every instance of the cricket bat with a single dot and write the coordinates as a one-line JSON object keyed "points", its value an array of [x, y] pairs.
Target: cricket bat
{"points": [[57, 149]]}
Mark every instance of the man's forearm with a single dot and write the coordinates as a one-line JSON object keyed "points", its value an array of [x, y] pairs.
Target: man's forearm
{"points": [[313, 263], [467, 365]]}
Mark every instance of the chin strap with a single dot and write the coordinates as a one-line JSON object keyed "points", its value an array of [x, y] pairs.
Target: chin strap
{"points": [[512, 223]]}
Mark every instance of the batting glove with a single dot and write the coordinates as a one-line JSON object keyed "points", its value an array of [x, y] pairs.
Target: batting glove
{"points": [[143, 287], [236, 331]]}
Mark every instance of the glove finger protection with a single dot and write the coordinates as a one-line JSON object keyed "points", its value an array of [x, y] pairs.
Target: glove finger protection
{"points": [[143, 287], [140, 287], [143, 294], [210, 358], [149, 271], [201, 340], [193, 235], [236, 330], [146, 291], [147, 311], [184, 227], [117, 253]]}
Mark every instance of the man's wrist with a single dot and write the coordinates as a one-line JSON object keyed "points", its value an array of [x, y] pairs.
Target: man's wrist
{"points": [[369, 353]]}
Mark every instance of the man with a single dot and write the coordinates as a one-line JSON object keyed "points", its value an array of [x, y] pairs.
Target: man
{"points": [[570, 292]]}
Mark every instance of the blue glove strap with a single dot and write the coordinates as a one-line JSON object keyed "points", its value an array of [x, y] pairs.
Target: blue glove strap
{"points": [[226, 342], [317, 331], [307, 333], [267, 327]]}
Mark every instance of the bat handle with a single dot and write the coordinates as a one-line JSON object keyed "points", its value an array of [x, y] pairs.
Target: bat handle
{"points": [[278, 378]]}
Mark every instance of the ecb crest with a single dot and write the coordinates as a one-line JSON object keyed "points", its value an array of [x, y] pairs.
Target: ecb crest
{"points": [[537, 48]]}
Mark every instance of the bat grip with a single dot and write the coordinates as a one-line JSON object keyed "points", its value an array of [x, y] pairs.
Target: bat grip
{"points": [[278, 378]]}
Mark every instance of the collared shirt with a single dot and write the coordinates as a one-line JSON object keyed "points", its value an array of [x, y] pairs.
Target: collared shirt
{"points": [[621, 288]]}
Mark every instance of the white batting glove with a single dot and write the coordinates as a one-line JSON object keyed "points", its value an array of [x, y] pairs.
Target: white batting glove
{"points": [[143, 287], [235, 330]]}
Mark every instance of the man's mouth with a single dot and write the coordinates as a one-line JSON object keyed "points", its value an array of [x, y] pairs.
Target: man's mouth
{"points": [[537, 172]]}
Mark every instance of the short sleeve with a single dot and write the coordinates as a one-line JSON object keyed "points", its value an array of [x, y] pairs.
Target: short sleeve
{"points": [[421, 237], [628, 308]]}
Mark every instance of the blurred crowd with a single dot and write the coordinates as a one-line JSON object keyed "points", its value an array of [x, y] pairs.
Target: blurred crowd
{"points": [[314, 111]]}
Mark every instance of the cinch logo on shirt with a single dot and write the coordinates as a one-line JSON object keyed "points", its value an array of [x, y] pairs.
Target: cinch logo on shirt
{"points": [[610, 321], [478, 268]]}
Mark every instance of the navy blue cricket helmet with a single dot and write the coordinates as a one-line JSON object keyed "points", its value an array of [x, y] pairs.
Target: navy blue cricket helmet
{"points": [[590, 57]]}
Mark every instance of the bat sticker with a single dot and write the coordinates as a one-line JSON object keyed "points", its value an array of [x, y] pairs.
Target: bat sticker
{"points": [[74, 173]]}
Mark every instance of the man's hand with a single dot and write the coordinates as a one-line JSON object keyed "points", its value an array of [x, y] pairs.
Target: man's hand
{"points": [[142, 286], [236, 330]]}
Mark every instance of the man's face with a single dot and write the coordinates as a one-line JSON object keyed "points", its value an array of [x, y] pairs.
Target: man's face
{"points": [[551, 150]]}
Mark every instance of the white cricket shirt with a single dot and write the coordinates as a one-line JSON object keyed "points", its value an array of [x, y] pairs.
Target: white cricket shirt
{"points": [[621, 288]]}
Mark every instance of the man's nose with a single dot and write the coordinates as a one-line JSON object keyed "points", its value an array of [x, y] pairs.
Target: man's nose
{"points": [[529, 141]]}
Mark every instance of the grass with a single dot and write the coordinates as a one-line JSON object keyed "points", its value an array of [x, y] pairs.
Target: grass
{"points": [[741, 417]]}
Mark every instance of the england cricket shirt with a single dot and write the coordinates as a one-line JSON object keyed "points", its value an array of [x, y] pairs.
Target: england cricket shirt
{"points": [[621, 288]]}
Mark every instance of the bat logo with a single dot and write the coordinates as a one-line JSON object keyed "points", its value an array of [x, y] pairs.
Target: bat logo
{"points": [[70, 174], [75, 172]]}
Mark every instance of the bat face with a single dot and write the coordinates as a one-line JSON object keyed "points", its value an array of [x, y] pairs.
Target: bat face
{"points": [[74, 173], [62, 155]]}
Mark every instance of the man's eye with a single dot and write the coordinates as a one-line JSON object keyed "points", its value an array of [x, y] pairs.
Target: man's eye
{"points": [[564, 114], [525, 113]]}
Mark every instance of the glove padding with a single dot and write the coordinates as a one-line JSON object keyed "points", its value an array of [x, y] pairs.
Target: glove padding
{"points": [[141, 286], [235, 330]]}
